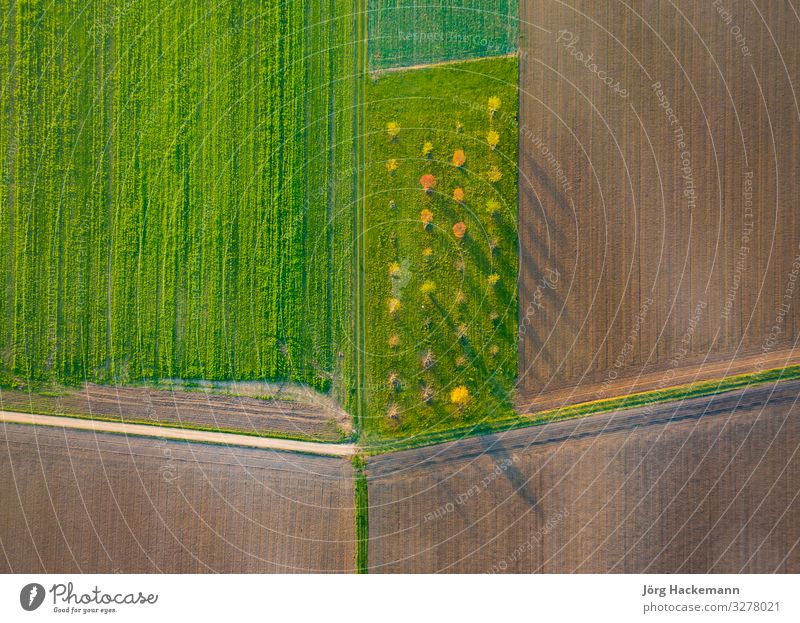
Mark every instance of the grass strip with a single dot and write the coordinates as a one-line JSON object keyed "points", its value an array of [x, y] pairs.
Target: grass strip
{"points": [[681, 392], [362, 514]]}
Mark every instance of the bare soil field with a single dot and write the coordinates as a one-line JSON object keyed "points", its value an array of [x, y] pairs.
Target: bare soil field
{"points": [[307, 415], [706, 485], [658, 190], [75, 501]]}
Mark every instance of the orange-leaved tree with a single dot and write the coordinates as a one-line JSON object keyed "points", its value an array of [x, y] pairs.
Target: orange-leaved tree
{"points": [[428, 182]]}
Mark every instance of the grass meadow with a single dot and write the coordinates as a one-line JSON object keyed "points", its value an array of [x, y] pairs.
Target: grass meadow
{"points": [[441, 263]]}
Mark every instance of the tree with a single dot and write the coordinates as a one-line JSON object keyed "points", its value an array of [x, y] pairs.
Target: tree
{"points": [[393, 381], [459, 396], [493, 138], [426, 392], [493, 105], [427, 288], [428, 182], [393, 414], [492, 207], [426, 216]]}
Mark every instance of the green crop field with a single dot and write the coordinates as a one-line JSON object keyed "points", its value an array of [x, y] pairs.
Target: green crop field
{"points": [[441, 300], [410, 32], [177, 190]]}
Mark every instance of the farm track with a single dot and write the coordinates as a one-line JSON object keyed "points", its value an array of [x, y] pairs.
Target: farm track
{"points": [[786, 394], [179, 434], [760, 418]]}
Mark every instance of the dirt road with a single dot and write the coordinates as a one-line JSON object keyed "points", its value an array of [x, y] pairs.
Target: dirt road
{"points": [[180, 434]]}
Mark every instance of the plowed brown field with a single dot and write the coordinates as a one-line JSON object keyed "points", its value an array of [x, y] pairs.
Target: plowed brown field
{"points": [[707, 485], [82, 502], [658, 191]]}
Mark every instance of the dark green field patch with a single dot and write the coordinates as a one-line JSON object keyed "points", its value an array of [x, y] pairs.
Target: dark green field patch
{"points": [[411, 32]]}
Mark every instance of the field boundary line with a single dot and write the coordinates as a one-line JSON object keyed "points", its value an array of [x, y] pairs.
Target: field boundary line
{"points": [[179, 434], [392, 70], [360, 209]]}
